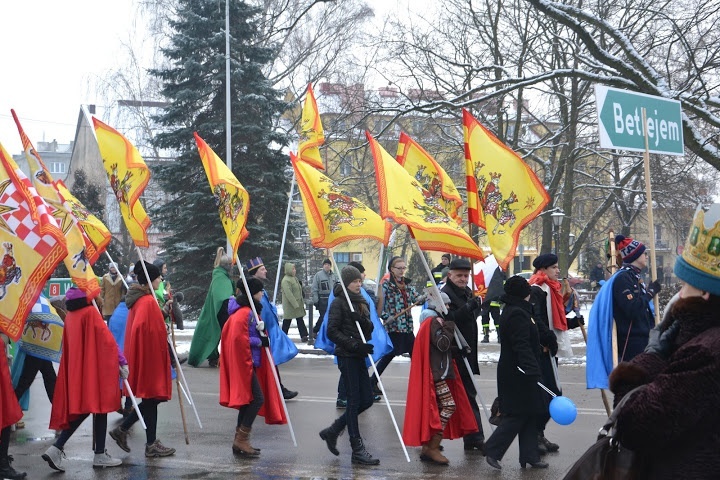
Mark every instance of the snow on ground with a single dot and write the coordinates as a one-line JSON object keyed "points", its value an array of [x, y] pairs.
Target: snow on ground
{"points": [[487, 352]]}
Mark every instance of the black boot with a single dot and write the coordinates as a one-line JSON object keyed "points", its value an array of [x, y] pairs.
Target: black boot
{"points": [[549, 446], [330, 435], [360, 455], [486, 338], [7, 471]]}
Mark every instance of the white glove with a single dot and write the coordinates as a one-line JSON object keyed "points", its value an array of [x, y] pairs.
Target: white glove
{"points": [[260, 326], [124, 372]]}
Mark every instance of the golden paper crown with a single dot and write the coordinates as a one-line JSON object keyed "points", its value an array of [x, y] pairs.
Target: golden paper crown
{"points": [[702, 248]]}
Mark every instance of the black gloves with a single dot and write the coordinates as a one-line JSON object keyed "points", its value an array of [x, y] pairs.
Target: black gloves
{"points": [[458, 352], [265, 341], [662, 343], [474, 303], [365, 348], [654, 288]]}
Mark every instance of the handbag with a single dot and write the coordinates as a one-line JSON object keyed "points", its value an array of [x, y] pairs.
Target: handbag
{"points": [[607, 459]]}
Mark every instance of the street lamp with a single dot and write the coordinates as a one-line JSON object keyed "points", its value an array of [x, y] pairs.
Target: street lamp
{"points": [[557, 218]]}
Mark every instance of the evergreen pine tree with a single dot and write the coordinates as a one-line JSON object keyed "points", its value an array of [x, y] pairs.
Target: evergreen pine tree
{"points": [[194, 83]]}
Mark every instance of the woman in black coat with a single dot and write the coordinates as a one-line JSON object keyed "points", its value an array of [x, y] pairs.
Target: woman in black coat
{"points": [[518, 392]]}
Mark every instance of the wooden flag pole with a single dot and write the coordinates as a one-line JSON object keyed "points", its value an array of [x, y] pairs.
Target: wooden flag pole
{"points": [[372, 362], [651, 222], [177, 381], [267, 351]]}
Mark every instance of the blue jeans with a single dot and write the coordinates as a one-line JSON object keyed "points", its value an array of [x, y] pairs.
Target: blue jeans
{"points": [[359, 392]]}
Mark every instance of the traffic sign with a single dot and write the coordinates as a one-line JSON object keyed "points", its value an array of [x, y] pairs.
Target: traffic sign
{"points": [[620, 121]]}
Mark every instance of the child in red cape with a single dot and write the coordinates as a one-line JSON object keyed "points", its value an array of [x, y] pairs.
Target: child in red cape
{"points": [[10, 413], [146, 348], [87, 380], [246, 378], [436, 406]]}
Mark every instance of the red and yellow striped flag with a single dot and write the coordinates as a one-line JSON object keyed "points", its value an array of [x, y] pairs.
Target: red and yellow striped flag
{"points": [[79, 258], [504, 194], [231, 198], [128, 176], [332, 216], [423, 167], [404, 200], [311, 132], [32, 246]]}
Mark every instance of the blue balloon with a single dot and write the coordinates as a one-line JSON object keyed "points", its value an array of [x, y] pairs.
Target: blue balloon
{"points": [[563, 410]]}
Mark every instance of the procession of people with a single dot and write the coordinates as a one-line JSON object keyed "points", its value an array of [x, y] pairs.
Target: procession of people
{"points": [[240, 331]]}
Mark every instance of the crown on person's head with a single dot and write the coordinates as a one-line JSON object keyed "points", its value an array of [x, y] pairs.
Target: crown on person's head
{"points": [[254, 263], [702, 248]]}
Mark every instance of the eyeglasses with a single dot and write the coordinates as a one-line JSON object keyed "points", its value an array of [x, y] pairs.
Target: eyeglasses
{"points": [[400, 268]]}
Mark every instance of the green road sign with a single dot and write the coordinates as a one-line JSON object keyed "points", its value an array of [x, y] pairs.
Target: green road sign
{"points": [[620, 121], [57, 286]]}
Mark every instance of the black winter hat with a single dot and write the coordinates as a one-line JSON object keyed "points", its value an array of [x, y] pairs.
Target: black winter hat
{"points": [[254, 284], [460, 264], [350, 274], [448, 256], [545, 260], [327, 261], [152, 270], [357, 265], [517, 286]]}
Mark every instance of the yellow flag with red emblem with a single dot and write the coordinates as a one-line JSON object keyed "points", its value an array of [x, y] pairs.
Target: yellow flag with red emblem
{"points": [[504, 194], [334, 217], [32, 246], [403, 199], [231, 198], [128, 176]]}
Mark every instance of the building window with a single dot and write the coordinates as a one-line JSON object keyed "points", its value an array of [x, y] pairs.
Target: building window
{"points": [[345, 167], [347, 257], [57, 167], [356, 257]]}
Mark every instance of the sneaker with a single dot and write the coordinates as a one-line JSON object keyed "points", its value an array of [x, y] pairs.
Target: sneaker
{"points": [[339, 403], [19, 425], [304, 339], [103, 460], [157, 449], [120, 436], [377, 398], [54, 457]]}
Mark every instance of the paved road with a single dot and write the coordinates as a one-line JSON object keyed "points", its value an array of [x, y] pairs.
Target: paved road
{"points": [[209, 455]]}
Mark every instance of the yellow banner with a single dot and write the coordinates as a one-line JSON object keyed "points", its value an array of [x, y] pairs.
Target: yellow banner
{"points": [[311, 132]]}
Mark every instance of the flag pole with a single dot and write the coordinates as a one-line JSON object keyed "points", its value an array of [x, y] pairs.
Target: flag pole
{"points": [[177, 381], [122, 277], [436, 293], [228, 116], [651, 222], [267, 350], [172, 349], [282, 244], [372, 362]]}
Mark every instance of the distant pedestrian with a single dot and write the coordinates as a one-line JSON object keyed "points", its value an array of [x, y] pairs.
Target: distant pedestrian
{"points": [[293, 302], [112, 289], [441, 269], [322, 284]]}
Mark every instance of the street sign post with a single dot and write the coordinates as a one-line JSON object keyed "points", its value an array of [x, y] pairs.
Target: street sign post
{"points": [[620, 121]]}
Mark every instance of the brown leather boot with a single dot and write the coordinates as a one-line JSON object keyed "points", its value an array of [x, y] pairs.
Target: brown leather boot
{"points": [[432, 453], [241, 444]]}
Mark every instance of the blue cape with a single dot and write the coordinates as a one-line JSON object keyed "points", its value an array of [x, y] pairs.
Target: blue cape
{"points": [[117, 323], [283, 349], [379, 338]]}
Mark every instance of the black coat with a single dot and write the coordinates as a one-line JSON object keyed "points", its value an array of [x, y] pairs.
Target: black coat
{"points": [[675, 421], [631, 310], [341, 329], [465, 317], [518, 392], [546, 337]]}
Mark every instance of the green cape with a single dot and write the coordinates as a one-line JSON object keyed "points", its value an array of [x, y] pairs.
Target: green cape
{"points": [[207, 331]]}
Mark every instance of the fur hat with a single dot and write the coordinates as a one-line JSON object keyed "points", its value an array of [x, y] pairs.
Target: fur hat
{"points": [[254, 284], [152, 270], [254, 263], [431, 301], [460, 264], [357, 265], [327, 261], [517, 286], [699, 264], [349, 274], [629, 249], [545, 260], [222, 260]]}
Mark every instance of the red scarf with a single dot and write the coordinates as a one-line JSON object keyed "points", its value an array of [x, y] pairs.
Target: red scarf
{"points": [[557, 306]]}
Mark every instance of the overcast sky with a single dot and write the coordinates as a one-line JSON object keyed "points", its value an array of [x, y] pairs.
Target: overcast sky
{"points": [[53, 53]]}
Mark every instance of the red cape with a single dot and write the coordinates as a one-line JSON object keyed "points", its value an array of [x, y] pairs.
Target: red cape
{"points": [[422, 417], [10, 412], [146, 350], [88, 376], [236, 370]]}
